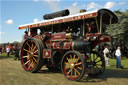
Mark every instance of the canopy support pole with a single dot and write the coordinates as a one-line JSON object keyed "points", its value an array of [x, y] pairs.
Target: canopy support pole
{"points": [[101, 24], [83, 27], [97, 24]]}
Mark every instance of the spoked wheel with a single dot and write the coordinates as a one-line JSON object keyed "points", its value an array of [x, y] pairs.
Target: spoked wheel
{"points": [[31, 55], [98, 64], [73, 65]]}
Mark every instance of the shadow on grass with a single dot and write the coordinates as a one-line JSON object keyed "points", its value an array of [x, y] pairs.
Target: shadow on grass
{"points": [[109, 73], [3, 57], [46, 71]]}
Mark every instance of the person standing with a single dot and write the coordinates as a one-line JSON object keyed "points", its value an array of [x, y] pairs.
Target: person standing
{"points": [[16, 52], [25, 36], [8, 51], [106, 52], [0, 49], [118, 57]]}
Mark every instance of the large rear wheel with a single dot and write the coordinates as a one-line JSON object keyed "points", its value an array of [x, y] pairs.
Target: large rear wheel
{"points": [[73, 65], [32, 55]]}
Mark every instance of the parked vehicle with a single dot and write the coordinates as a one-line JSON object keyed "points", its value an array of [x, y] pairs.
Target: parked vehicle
{"points": [[67, 43]]}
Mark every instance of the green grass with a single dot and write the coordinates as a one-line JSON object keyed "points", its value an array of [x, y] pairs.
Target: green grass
{"points": [[5, 55], [112, 63], [12, 73]]}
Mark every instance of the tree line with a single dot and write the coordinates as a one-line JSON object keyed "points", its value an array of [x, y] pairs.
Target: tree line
{"points": [[119, 31]]}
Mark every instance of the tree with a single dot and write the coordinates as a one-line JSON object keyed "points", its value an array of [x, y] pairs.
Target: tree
{"points": [[120, 30]]}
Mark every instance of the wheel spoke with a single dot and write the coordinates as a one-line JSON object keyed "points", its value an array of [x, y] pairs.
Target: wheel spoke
{"points": [[26, 62], [93, 58], [74, 58], [33, 63], [99, 64], [36, 51], [69, 71], [67, 65], [77, 59], [79, 68], [96, 58], [34, 48], [35, 55], [67, 68], [98, 61], [68, 60], [28, 45], [30, 65], [25, 56], [34, 59], [97, 67], [26, 50], [29, 49], [77, 71], [78, 63], [71, 58], [32, 43]]}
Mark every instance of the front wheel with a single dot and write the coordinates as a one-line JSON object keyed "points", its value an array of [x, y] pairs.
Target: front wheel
{"points": [[73, 65]]}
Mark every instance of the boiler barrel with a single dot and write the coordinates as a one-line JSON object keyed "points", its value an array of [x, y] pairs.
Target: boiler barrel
{"points": [[82, 46], [56, 14]]}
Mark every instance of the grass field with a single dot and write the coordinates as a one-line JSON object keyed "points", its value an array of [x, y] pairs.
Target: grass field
{"points": [[12, 73]]}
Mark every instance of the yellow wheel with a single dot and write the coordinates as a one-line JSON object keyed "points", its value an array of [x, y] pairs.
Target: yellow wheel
{"points": [[98, 64]]}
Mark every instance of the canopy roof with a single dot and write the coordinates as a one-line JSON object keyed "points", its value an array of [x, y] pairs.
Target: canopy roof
{"points": [[69, 18]]}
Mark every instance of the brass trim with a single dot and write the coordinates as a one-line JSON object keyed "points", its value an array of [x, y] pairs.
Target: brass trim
{"points": [[68, 35], [72, 45]]}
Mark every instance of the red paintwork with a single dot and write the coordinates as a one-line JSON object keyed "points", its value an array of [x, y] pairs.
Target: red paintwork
{"points": [[101, 39], [67, 45], [56, 45], [60, 21], [47, 53], [59, 36]]}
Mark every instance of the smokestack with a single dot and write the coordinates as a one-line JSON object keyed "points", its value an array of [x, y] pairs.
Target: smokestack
{"points": [[56, 14], [83, 10]]}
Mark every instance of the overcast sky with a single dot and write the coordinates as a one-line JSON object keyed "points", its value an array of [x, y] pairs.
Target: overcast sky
{"points": [[18, 12]]}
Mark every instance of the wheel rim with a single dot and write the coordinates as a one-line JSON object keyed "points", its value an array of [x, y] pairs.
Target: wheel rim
{"points": [[97, 63], [29, 55], [72, 66]]}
